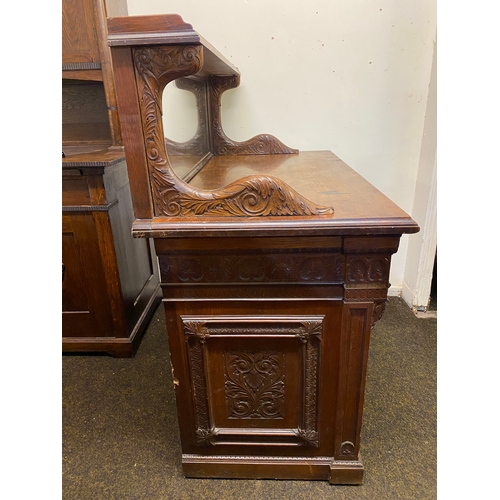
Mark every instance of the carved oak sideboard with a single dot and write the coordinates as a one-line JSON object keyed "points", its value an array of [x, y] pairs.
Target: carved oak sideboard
{"points": [[274, 266]]}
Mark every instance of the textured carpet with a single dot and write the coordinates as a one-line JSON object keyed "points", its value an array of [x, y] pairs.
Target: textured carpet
{"points": [[121, 437]]}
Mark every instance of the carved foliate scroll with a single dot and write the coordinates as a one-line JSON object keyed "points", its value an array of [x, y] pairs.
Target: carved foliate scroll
{"points": [[254, 384], [253, 196], [249, 197]]}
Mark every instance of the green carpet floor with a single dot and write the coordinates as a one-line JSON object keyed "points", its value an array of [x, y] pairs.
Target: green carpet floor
{"points": [[121, 438]]}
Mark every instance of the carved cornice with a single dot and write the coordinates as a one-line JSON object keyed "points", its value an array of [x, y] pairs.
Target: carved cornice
{"points": [[263, 144], [253, 196]]}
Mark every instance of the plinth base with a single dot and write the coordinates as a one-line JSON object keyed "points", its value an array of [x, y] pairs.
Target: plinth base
{"points": [[302, 468]]}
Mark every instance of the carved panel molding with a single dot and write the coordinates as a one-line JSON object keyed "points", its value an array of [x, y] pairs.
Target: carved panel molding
{"points": [[254, 381], [253, 196]]}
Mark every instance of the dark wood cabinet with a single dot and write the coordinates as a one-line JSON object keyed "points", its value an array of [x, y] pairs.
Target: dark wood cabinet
{"points": [[274, 266], [110, 280]]}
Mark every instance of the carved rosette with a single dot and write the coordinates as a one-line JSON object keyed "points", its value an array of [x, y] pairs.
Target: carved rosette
{"points": [[253, 196]]}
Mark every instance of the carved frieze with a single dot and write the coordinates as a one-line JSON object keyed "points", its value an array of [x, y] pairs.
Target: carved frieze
{"points": [[253, 268], [364, 269]]}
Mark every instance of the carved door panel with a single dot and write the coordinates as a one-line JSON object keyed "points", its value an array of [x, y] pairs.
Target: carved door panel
{"points": [[254, 380]]}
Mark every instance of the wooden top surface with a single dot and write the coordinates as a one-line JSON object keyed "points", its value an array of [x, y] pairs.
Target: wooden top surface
{"points": [[319, 176]]}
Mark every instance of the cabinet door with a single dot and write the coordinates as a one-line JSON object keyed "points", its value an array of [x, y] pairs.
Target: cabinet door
{"points": [[254, 379], [84, 294], [79, 36]]}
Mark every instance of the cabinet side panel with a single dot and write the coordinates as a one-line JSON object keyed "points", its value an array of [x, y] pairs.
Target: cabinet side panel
{"points": [[137, 263]]}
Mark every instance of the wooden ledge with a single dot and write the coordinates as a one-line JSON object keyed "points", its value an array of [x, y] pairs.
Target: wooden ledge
{"points": [[167, 29], [79, 157], [193, 227]]}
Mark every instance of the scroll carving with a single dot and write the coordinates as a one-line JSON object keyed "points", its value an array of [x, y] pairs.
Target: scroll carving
{"points": [[253, 196], [263, 144], [255, 384], [259, 195]]}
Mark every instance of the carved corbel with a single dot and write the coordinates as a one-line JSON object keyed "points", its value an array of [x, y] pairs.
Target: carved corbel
{"points": [[367, 281]]}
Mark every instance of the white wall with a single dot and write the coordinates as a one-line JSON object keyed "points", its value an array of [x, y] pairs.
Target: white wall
{"points": [[422, 246], [350, 76]]}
